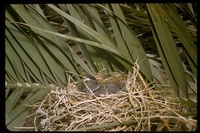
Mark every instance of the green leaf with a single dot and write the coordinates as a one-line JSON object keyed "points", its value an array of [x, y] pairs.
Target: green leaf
{"points": [[167, 49], [18, 122], [181, 30]]}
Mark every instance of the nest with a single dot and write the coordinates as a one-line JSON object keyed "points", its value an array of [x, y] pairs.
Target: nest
{"points": [[138, 107]]}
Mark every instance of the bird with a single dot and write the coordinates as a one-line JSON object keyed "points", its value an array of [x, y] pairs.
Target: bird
{"points": [[100, 90], [112, 88], [97, 89], [89, 85], [109, 88]]}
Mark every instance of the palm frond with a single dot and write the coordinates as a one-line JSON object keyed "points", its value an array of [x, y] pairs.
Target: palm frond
{"points": [[46, 43]]}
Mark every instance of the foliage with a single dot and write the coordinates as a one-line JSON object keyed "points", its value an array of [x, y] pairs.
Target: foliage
{"points": [[46, 43]]}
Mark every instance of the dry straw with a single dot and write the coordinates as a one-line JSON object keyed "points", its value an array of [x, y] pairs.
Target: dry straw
{"points": [[138, 107]]}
